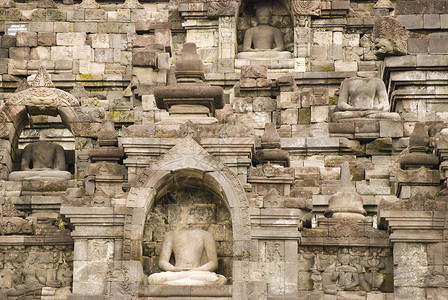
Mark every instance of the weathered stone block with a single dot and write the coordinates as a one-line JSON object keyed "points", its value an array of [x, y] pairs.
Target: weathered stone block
{"points": [[438, 46], [95, 14], [19, 53], [82, 52], [8, 41], [4, 65], [252, 71], [40, 53], [104, 55], [431, 21], [26, 39], [319, 52], [60, 52], [46, 39], [71, 38], [345, 66], [418, 45], [100, 41], [411, 21], [42, 26], [391, 129], [319, 114], [143, 58], [290, 116]]}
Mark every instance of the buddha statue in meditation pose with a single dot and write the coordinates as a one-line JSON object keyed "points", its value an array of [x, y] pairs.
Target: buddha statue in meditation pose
{"points": [[188, 246], [363, 98], [263, 40], [42, 161]]}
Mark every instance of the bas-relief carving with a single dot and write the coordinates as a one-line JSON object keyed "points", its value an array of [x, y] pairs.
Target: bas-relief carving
{"points": [[188, 246], [334, 269], [27, 270], [42, 161]]}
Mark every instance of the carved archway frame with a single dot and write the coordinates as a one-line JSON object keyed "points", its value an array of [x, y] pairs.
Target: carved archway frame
{"points": [[186, 155]]}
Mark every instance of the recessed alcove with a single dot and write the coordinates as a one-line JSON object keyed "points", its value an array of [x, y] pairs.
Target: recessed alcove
{"points": [[190, 198]]}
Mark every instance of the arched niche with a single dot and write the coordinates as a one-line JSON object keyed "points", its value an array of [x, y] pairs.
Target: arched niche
{"points": [[188, 198], [45, 101], [186, 165], [281, 19]]}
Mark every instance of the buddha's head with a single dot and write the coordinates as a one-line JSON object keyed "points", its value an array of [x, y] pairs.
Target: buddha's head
{"points": [[263, 14]]}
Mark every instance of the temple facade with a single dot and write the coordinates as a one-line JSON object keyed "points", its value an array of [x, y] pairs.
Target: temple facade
{"points": [[204, 149]]}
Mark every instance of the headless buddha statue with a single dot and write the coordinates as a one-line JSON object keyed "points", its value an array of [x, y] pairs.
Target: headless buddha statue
{"points": [[188, 245], [42, 161]]}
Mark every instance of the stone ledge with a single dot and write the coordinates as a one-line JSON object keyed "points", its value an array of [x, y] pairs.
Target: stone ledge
{"points": [[186, 291]]}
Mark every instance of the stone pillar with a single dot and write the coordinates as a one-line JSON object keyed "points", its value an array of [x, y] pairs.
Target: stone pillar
{"points": [[302, 41], [227, 44], [410, 270]]}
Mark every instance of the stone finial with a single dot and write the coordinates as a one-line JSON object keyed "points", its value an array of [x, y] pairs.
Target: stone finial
{"points": [[270, 138], [419, 137], [79, 91], [189, 67], [107, 135], [89, 4], [23, 85], [46, 4], [132, 4], [346, 203], [42, 79], [128, 91], [418, 155], [386, 4], [7, 3]]}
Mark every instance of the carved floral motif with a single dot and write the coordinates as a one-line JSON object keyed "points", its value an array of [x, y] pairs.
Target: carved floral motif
{"points": [[42, 97], [306, 7]]}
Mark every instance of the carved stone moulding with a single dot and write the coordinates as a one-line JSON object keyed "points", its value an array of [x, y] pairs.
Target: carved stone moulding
{"points": [[208, 96], [222, 9], [39, 99]]}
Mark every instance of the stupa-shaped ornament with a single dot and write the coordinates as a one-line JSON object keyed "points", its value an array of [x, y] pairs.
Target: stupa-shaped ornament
{"points": [[132, 4], [189, 67], [346, 203], [46, 4], [190, 98], [386, 4], [89, 4], [419, 152], [271, 152]]}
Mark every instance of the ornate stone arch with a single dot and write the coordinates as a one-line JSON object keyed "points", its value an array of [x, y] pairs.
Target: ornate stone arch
{"points": [[187, 154]]}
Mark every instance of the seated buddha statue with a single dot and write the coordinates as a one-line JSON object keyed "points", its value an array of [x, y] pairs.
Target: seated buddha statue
{"points": [[42, 161], [263, 40], [188, 246], [363, 98]]}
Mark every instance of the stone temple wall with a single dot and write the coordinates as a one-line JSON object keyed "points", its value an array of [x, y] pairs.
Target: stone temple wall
{"points": [[305, 199]]}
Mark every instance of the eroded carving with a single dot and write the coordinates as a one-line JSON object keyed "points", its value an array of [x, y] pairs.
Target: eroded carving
{"points": [[390, 37]]}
